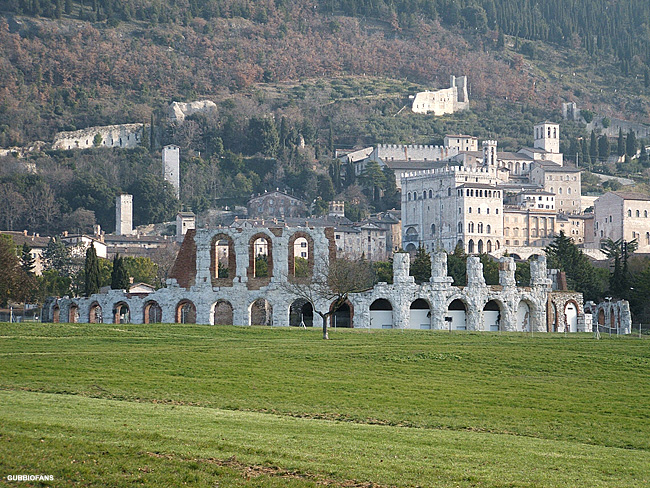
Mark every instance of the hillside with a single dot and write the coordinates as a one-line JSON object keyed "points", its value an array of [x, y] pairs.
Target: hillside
{"points": [[332, 74]]}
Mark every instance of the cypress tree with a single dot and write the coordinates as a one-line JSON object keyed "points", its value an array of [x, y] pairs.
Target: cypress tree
{"points": [[91, 272], [26, 259], [421, 266], [593, 148], [621, 143], [631, 144], [119, 276]]}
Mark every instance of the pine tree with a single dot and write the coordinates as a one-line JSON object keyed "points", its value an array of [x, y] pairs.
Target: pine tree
{"points": [[91, 272], [27, 261], [421, 266]]}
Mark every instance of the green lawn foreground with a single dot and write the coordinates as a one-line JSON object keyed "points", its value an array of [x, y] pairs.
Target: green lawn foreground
{"points": [[114, 405]]}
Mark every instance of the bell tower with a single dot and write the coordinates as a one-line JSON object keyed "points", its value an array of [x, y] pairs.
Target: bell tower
{"points": [[547, 137]]}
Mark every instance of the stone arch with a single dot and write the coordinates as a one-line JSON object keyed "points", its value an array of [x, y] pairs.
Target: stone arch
{"points": [[301, 312], [260, 255], [299, 243], [121, 313], [381, 314], [601, 317], [525, 315], [73, 313], [95, 314], [420, 314], [342, 316], [410, 248], [612, 318], [456, 316], [56, 314], [223, 260], [571, 316], [185, 312], [222, 313], [260, 312], [151, 313], [493, 311]]}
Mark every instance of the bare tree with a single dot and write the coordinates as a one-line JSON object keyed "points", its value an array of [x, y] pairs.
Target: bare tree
{"points": [[331, 284]]}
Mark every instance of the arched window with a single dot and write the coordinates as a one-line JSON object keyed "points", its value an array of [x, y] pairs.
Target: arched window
{"points": [[433, 229], [424, 195], [559, 190], [469, 210], [496, 211], [460, 227], [480, 227], [647, 238], [568, 190], [645, 213], [487, 211], [430, 193], [638, 213], [408, 196], [629, 212], [478, 210], [488, 228], [449, 192]]}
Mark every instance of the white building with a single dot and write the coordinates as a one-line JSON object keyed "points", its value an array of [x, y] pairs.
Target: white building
{"points": [[622, 215], [450, 206], [184, 222], [445, 101], [171, 166], [124, 215], [562, 181]]}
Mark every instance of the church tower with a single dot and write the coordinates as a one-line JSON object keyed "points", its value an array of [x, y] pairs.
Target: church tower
{"points": [[547, 137]]}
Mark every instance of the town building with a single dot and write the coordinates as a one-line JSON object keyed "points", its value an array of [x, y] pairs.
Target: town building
{"points": [[171, 161], [622, 215], [445, 101], [275, 205]]}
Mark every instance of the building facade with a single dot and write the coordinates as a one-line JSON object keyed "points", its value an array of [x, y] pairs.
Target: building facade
{"points": [[622, 215]]}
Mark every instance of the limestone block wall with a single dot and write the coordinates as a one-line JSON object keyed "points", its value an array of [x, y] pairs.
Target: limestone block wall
{"points": [[608, 316], [123, 136], [245, 299]]}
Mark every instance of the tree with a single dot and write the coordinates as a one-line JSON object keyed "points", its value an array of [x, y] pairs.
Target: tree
{"points": [[421, 266], [593, 148], [620, 150], [57, 257], [603, 148], [331, 284], [27, 261], [581, 276], [606, 122], [92, 278], [631, 144], [457, 266], [10, 266], [97, 140], [264, 137], [119, 276]]}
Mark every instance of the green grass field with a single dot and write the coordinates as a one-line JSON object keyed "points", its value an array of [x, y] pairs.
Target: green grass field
{"points": [[164, 405]]}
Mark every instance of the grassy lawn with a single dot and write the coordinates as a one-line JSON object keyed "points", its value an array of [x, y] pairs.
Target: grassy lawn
{"points": [[114, 405]]}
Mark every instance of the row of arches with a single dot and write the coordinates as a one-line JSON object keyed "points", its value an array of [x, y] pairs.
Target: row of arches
{"points": [[223, 259], [480, 247]]}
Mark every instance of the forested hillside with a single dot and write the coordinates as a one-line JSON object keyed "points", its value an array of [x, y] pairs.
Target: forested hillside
{"points": [[291, 81]]}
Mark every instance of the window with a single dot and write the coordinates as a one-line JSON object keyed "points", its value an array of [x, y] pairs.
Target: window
{"points": [[487, 211], [469, 210], [430, 194], [409, 196], [460, 227], [448, 192], [488, 229], [480, 227], [638, 213], [645, 213], [433, 229], [478, 210], [629, 213]]}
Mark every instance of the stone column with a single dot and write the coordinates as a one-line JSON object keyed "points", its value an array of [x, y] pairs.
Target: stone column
{"points": [[476, 293], [203, 278], [507, 269], [401, 268], [242, 257], [439, 268]]}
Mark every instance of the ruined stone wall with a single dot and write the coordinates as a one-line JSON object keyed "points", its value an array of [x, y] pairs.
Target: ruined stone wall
{"points": [[244, 299], [123, 136]]}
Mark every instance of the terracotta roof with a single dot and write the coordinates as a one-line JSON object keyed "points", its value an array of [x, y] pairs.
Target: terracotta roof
{"points": [[628, 195]]}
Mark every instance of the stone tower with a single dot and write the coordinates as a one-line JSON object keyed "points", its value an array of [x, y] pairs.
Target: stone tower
{"points": [[124, 215], [489, 153], [547, 137], [171, 167]]}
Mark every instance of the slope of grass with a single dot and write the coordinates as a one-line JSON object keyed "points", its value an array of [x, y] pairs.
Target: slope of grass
{"points": [[405, 409]]}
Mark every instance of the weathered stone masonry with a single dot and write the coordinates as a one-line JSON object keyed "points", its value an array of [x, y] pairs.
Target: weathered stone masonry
{"points": [[196, 293]]}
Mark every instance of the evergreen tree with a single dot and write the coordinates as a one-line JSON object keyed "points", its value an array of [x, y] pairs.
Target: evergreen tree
{"points": [[621, 143], [593, 148], [603, 148], [57, 257], [92, 276], [119, 276], [581, 276], [421, 266], [27, 262], [457, 266], [631, 144]]}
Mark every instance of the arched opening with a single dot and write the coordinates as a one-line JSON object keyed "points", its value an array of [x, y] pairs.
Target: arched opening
{"points": [[343, 316], [95, 314], [56, 313], [480, 246], [260, 254], [571, 316], [152, 313], [185, 312], [222, 313], [410, 248], [301, 260], [470, 246], [223, 261], [456, 315], [489, 246], [420, 317], [553, 312], [121, 313], [73, 313], [612, 318], [523, 317], [301, 313], [261, 312], [601, 317], [381, 314], [491, 316]]}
